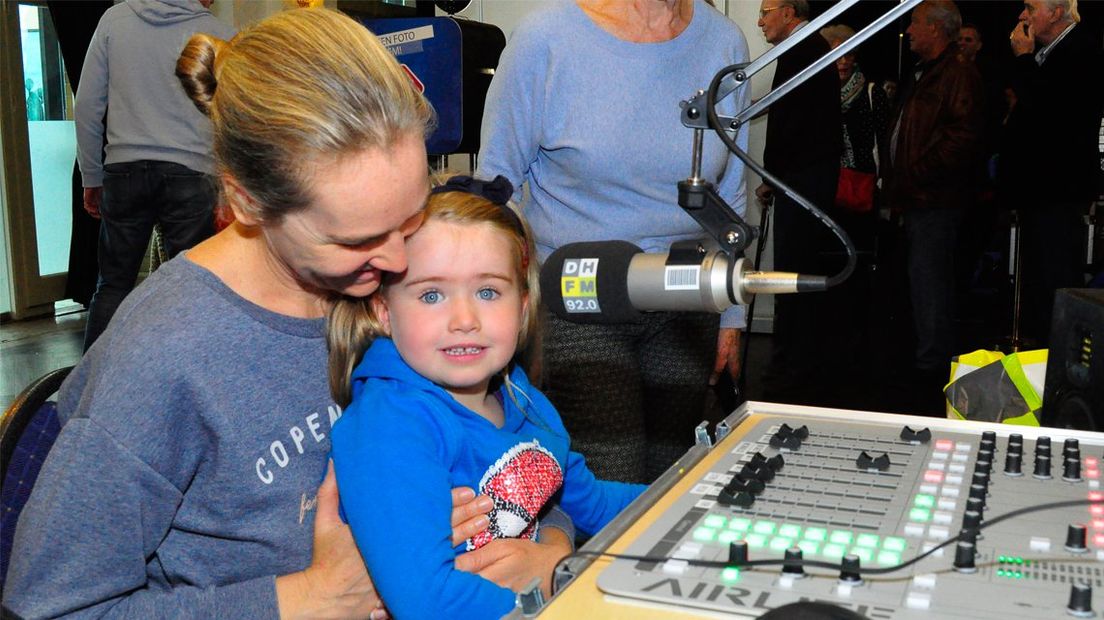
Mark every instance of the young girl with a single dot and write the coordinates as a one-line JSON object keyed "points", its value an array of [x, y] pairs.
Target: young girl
{"points": [[438, 401]]}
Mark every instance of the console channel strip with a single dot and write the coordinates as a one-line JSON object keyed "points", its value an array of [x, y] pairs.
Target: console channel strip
{"points": [[852, 492]]}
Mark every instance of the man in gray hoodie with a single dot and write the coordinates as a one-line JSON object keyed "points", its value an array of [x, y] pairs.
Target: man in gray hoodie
{"points": [[157, 165]]}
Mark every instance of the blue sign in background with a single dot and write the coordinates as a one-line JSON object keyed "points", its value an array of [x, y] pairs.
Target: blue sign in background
{"points": [[431, 48]]}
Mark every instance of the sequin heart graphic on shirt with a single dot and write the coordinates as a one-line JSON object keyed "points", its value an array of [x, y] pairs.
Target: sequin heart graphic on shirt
{"points": [[519, 483]]}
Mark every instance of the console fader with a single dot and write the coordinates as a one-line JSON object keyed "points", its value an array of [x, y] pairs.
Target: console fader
{"points": [[862, 490]]}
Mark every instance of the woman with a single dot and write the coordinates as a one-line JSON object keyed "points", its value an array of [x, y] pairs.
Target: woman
{"points": [[185, 482], [584, 108], [864, 106]]}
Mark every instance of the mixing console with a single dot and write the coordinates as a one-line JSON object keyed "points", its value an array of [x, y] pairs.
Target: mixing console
{"points": [[839, 498]]}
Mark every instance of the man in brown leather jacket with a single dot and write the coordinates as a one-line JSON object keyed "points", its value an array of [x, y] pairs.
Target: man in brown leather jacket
{"points": [[935, 144]]}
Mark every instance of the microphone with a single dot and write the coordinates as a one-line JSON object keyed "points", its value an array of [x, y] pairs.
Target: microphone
{"points": [[613, 281]]}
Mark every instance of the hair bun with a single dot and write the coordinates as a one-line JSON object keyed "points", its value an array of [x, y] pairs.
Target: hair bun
{"points": [[196, 69]]}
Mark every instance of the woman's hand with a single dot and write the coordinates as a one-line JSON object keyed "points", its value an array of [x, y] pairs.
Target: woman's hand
{"points": [[336, 584], [469, 514], [512, 563]]}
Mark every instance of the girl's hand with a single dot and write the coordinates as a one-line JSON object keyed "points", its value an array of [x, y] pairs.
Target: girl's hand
{"points": [[336, 584]]}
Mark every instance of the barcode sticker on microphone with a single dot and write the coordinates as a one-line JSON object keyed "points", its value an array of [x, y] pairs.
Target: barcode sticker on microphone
{"points": [[681, 277]]}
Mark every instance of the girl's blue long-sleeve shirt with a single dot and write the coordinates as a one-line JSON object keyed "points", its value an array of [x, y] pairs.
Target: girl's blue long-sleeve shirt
{"points": [[401, 445]]}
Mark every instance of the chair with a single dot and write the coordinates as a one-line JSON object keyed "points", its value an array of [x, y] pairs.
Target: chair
{"points": [[27, 431]]}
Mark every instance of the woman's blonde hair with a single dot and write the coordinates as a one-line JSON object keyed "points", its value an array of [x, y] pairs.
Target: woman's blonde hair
{"points": [[354, 323], [300, 89]]}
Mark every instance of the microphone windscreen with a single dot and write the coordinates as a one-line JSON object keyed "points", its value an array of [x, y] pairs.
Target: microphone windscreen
{"points": [[587, 282]]}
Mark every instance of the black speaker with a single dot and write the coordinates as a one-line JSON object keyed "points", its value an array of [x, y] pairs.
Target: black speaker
{"points": [[1073, 396]]}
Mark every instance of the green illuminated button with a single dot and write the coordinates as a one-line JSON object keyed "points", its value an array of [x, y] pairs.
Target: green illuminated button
{"points": [[834, 552], [919, 515], [892, 543], [739, 524], [816, 533], [728, 536], [730, 575], [924, 501], [715, 521], [705, 534], [865, 554], [789, 530], [756, 541], [841, 537], [808, 547], [889, 558], [867, 540], [764, 527], [780, 543]]}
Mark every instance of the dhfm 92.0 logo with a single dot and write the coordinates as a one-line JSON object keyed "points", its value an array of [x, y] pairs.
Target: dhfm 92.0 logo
{"points": [[579, 285]]}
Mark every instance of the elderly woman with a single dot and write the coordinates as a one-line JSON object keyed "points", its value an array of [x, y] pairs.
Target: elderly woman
{"points": [[864, 106]]}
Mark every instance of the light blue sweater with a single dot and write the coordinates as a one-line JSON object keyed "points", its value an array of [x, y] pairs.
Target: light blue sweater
{"points": [[592, 124], [129, 73]]}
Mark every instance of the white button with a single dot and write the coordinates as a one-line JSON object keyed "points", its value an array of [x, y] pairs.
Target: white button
{"points": [[843, 590], [786, 581], [929, 546], [925, 581], [952, 479], [675, 567], [1094, 484], [929, 489], [939, 455], [714, 476], [1100, 555], [961, 457], [687, 551], [937, 465], [701, 489], [942, 518], [914, 529], [949, 491], [956, 468], [962, 447], [705, 504], [1039, 543], [947, 503], [937, 532], [916, 600]]}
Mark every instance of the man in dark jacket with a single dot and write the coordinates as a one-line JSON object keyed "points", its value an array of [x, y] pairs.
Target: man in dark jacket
{"points": [[1049, 166], [803, 144], [934, 149]]}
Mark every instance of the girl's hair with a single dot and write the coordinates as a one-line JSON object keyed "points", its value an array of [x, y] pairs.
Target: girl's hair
{"points": [[353, 321], [300, 89]]}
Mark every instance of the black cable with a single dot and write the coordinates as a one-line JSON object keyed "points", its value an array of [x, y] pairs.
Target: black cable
{"points": [[715, 123], [831, 566]]}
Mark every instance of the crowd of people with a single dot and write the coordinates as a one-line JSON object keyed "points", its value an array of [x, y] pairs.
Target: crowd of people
{"points": [[356, 309]]}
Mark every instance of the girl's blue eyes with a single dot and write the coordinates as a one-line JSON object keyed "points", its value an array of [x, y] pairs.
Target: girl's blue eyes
{"points": [[484, 294]]}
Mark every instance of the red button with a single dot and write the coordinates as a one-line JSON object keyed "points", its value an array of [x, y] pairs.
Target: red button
{"points": [[944, 444]]}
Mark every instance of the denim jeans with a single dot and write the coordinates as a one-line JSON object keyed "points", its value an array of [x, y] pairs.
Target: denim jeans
{"points": [[136, 196]]}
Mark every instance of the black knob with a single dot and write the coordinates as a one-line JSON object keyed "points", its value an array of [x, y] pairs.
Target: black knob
{"points": [[969, 536], [1071, 447], [776, 462], [978, 491], [980, 478], [792, 563], [738, 553], [964, 557], [1076, 537], [983, 455], [1012, 463], [1015, 443], [1080, 600], [1071, 471], [976, 504], [849, 569], [1042, 447], [802, 432], [988, 437], [983, 467], [971, 519], [1042, 468], [757, 459]]}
